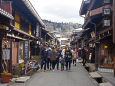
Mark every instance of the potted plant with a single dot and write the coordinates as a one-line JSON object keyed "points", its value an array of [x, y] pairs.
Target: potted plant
{"points": [[5, 77], [16, 70]]}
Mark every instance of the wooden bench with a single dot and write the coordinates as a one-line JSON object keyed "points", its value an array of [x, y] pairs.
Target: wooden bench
{"points": [[105, 84], [96, 76]]}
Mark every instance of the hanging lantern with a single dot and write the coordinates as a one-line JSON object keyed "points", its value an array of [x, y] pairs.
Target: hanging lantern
{"points": [[106, 46]]}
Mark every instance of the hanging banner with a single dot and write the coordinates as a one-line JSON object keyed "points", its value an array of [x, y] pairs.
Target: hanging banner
{"points": [[6, 54], [37, 30], [26, 50]]}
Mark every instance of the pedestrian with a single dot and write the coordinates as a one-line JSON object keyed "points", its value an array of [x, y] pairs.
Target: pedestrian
{"points": [[83, 52], [48, 58], [62, 63], [68, 58], [53, 58], [58, 57], [63, 52], [43, 58], [74, 56]]}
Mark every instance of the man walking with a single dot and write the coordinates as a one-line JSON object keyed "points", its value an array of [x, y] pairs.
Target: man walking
{"points": [[84, 56], [48, 58], [43, 58]]}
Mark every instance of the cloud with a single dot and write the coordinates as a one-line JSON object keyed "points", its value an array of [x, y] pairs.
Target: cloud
{"points": [[59, 10]]}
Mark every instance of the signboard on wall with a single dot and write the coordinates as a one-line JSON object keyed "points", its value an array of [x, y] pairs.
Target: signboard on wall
{"points": [[93, 34], [26, 49], [37, 30], [6, 54]]}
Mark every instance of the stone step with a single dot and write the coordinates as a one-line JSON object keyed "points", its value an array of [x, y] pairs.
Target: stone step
{"points": [[22, 79], [105, 84], [96, 76]]}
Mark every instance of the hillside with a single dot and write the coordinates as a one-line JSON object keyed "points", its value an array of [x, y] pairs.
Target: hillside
{"points": [[62, 27]]}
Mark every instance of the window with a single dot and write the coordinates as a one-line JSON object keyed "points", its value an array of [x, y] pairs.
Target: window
{"points": [[106, 1], [107, 22], [87, 1], [107, 11]]}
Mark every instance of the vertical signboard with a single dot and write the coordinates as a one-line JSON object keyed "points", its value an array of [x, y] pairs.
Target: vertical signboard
{"points": [[37, 30], [26, 49]]}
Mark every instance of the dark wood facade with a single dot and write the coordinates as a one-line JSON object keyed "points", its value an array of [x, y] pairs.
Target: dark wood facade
{"points": [[99, 18], [20, 25]]}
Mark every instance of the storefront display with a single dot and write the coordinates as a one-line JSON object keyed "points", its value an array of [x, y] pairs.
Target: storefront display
{"points": [[106, 55]]}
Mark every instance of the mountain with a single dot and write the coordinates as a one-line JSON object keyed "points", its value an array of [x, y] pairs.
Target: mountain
{"points": [[61, 27]]}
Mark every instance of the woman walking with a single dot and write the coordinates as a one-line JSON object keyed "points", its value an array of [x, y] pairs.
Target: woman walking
{"points": [[74, 56], [68, 58], [53, 58]]}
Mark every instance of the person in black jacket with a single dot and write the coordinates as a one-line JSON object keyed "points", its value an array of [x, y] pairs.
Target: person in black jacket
{"points": [[43, 58], [68, 58], [84, 56]]}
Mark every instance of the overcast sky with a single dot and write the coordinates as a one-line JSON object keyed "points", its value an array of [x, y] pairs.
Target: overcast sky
{"points": [[59, 10]]}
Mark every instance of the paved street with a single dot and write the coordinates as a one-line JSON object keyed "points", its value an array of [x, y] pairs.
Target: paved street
{"points": [[76, 77]]}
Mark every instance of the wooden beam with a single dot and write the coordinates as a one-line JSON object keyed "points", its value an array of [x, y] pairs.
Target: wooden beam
{"points": [[114, 33], [114, 21], [105, 30]]}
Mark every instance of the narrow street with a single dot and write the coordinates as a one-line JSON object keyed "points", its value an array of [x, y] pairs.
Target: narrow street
{"points": [[78, 76], [37, 34]]}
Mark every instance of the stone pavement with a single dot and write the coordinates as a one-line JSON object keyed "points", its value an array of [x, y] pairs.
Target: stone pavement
{"points": [[78, 76], [3, 84]]}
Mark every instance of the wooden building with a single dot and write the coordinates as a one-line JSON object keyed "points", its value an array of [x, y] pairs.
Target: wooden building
{"points": [[20, 26], [99, 18]]}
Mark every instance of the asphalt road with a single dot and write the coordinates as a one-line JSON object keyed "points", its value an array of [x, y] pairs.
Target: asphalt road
{"points": [[78, 76]]}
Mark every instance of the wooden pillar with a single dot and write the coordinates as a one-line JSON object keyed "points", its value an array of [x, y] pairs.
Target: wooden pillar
{"points": [[96, 56], [114, 33], [0, 54], [10, 61]]}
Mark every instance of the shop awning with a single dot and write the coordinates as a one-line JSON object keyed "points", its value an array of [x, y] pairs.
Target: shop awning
{"points": [[19, 34], [22, 32]]}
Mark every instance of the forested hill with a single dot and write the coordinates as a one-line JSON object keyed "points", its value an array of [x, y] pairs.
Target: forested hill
{"points": [[63, 27]]}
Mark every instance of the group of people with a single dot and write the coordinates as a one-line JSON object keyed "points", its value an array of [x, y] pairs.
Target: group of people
{"points": [[52, 56]]}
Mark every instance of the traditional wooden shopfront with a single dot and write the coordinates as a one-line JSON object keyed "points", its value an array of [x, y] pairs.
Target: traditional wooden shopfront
{"points": [[98, 17], [17, 32]]}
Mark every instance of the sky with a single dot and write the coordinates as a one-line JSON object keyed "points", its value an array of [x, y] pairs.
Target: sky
{"points": [[59, 10]]}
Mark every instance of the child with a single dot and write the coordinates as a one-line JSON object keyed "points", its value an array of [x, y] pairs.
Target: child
{"points": [[62, 63]]}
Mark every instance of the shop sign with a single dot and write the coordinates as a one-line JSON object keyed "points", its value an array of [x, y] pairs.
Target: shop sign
{"points": [[6, 54], [93, 34], [102, 52], [107, 11], [26, 49], [106, 22], [37, 30]]}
